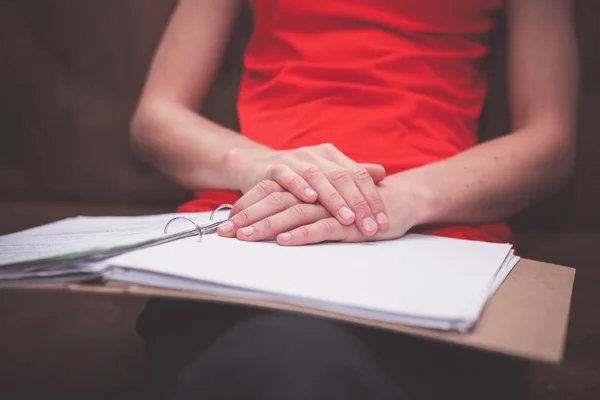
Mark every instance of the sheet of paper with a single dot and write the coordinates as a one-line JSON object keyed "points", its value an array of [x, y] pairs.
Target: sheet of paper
{"points": [[82, 234], [417, 276]]}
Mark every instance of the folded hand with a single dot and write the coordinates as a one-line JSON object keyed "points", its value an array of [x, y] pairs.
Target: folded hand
{"points": [[344, 188], [275, 212]]}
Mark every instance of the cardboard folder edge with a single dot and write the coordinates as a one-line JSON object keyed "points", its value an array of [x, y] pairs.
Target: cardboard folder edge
{"points": [[527, 317]]}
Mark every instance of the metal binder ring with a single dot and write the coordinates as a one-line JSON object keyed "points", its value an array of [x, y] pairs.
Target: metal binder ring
{"points": [[221, 207], [204, 229], [198, 228]]}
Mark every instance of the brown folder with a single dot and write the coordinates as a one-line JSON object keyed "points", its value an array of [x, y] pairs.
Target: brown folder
{"points": [[526, 318]]}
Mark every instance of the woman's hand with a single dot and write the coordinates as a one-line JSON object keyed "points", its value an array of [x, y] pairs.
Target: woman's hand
{"points": [[293, 222], [320, 173]]}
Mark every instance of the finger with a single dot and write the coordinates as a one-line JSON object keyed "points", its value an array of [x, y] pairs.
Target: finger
{"points": [[373, 213], [370, 193], [327, 194], [292, 182], [272, 204], [376, 171], [293, 217], [323, 230], [343, 180], [257, 193], [365, 177]]}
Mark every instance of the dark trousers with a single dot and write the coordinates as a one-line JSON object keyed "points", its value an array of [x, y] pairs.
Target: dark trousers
{"points": [[210, 351]]}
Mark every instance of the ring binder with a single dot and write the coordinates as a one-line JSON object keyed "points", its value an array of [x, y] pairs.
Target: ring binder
{"points": [[201, 229]]}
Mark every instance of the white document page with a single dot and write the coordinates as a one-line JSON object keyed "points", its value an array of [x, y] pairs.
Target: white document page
{"points": [[82, 234], [416, 276]]}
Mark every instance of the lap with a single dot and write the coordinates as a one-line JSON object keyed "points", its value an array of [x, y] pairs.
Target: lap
{"points": [[176, 332]]}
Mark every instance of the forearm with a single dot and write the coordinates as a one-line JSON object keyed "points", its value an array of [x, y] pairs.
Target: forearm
{"points": [[491, 181], [186, 147], [165, 130], [496, 179]]}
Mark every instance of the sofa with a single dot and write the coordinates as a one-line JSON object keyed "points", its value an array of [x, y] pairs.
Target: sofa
{"points": [[70, 76]]}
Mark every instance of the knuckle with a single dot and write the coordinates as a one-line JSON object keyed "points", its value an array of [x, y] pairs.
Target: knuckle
{"points": [[359, 204], [243, 216], [328, 226], [376, 201], [298, 211], [297, 181], [276, 198], [277, 170], [303, 232], [312, 172], [361, 174], [266, 186], [303, 151], [267, 224], [340, 175], [327, 147], [335, 198]]}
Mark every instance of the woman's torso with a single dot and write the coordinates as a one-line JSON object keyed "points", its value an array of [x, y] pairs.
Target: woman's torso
{"points": [[396, 82]]}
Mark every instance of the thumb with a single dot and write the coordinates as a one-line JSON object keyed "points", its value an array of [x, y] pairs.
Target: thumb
{"points": [[376, 171]]}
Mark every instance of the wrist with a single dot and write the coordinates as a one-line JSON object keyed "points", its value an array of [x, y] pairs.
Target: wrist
{"points": [[409, 201], [238, 164]]}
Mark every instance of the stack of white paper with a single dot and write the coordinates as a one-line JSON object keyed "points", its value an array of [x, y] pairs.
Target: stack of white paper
{"points": [[417, 280]]}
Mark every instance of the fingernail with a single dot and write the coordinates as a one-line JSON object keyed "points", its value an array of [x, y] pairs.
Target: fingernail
{"points": [[226, 227], [369, 224], [247, 231], [309, 192], [285, 237], [382, 218], [346, 213]]}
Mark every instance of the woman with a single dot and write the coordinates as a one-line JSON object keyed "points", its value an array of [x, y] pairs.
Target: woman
{"points": [[358, 122]]}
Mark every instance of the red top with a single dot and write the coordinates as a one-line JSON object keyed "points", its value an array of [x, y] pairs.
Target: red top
{"points": [[399, 83]]}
